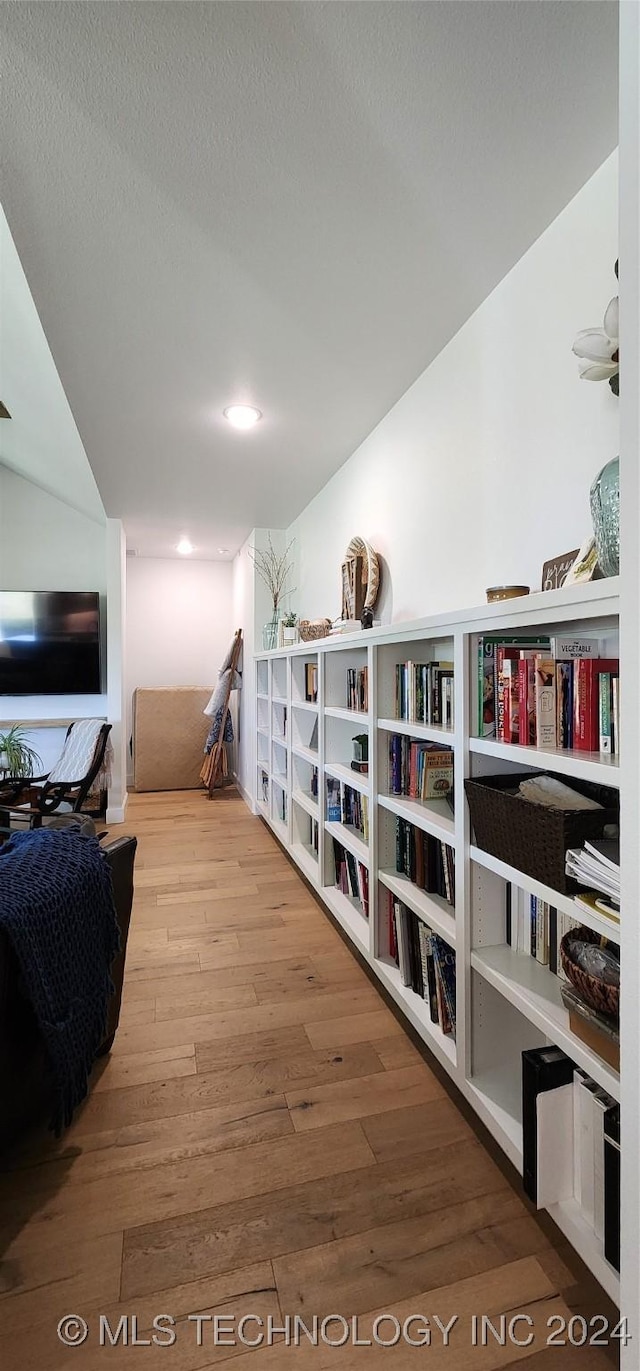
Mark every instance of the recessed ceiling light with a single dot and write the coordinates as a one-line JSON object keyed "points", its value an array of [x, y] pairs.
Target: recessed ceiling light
{"points": [[242, 416], [184, 547], [223, 551]]}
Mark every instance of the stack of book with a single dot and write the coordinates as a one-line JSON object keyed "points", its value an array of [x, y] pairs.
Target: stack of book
{"points": [[358, 689], [426, 963], [424, 693], [597, 865], [536, 929], [549, 692], [311, 682], [347, 806], [352, 876], [423, 771], [427, 861]]}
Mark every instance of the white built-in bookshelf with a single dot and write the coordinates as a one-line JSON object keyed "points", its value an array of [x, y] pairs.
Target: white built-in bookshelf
{"points": [[506, 1001]]}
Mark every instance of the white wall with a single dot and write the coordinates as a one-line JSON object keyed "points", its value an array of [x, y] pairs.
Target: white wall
{"points": [[46, 545], [482, 470], [179, 623], [244, 589]]}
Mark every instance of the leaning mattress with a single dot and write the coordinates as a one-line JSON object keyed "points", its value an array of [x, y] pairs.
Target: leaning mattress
{"points": [[169, 734]]}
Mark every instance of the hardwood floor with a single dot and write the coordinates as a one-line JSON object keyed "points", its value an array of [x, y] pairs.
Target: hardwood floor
{"points": [[266, 1140]]}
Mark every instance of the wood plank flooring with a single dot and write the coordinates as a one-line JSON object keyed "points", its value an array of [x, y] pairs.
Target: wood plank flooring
{"points": [[265, 1140]]}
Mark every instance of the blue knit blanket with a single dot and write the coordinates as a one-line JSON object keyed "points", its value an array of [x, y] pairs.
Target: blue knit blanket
{"points": [[57, 910]]}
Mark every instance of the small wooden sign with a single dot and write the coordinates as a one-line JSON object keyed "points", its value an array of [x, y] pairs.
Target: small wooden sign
{"points": [[555, 571]]}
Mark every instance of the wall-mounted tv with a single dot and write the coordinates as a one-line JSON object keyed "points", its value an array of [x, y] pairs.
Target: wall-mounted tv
{"points": [[49, 642]]}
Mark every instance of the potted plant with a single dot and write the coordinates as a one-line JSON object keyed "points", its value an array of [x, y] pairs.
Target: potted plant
{"points": [[274, 569], [289, 628], [17, 758]]}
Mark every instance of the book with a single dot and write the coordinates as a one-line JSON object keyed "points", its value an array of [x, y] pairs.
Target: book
{"points": [[592, 903], [545, 696], [586, 671], [615, 715], [604, 711], [564, 704], [565, 647], [486, 678]]}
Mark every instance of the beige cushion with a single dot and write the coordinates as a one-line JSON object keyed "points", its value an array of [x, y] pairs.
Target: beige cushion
{"points": [[169, 734]]}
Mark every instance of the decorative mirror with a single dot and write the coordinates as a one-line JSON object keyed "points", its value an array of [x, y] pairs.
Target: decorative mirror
{"points": [[360, 580]]}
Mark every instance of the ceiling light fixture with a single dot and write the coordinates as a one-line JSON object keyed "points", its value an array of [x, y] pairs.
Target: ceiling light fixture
{"points": [[184, 547], [242, 416], [224, 551]]}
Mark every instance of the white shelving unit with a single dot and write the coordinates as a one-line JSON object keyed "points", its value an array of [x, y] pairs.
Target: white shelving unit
{"points": [[506, 1001]]}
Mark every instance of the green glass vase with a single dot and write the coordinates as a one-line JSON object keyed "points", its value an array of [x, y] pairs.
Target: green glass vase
{"points": [[605, 513]]}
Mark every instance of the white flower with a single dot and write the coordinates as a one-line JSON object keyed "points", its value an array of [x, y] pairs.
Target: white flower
{"points": [[597, 348]]}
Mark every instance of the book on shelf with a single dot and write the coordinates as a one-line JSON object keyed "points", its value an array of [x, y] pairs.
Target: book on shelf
{"points": [[334, 801], [351, 876], [424, 693], [420, 770], [358, 689], [426, 963], [553, 693], [487, 677], [535, 928], [355, 811], [311, 682], [313, 785], [427, 861]]}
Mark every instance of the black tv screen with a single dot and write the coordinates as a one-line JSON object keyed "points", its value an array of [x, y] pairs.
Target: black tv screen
{"points": [[49, 642]]}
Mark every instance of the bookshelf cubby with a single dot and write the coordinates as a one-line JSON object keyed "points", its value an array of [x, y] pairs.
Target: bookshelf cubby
{"points": [[506, 1001]]}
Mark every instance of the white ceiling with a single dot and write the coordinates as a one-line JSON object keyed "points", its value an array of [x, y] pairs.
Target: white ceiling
{"points": [[292, 204]]}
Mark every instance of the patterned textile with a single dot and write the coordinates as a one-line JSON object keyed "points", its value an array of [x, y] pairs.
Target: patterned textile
{"points": [[215, 707], [57, 910], [78, 752], [214, 731]]}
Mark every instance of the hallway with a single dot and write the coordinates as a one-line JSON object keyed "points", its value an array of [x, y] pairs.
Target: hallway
{"points": [[265, 1139]]}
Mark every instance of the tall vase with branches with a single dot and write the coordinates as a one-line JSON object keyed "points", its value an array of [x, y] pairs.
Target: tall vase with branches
{"points": [[274, 568]]}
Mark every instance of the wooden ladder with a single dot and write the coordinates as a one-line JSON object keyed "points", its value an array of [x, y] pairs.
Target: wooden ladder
{"points": [[211, 772]]}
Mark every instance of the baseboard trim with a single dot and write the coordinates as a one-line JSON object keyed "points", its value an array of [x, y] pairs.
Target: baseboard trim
{"points": [[246, 797]]}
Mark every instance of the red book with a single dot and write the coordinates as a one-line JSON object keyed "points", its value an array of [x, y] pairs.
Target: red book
{"points": [[586, 728], [523, 702]]}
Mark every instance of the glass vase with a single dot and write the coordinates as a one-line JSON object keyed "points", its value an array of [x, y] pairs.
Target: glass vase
{"points": [[270, 634], [605, 513]]}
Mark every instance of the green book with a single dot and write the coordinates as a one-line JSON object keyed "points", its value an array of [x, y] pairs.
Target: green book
{"points": [[604, 699]]}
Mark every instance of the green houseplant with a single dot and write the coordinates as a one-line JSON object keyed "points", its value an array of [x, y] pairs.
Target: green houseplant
{"points": [[274, 569], [17, 757]]}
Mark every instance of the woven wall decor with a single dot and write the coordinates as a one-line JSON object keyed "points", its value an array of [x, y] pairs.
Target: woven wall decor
{"points": [[360, 579]]}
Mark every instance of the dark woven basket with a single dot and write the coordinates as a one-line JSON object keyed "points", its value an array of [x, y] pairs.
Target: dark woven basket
{"points": [[534, 838], [605, 999]]}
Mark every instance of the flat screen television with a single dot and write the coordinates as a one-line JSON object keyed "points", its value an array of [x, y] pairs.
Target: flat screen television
{"points": [[49, 642]]}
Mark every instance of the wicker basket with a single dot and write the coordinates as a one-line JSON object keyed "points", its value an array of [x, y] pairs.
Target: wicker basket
{"points": [[534, 838], [312, 629], [605, 999]]}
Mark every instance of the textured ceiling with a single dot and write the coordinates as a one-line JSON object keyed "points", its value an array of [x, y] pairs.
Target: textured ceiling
{"points": [[295, 204]]}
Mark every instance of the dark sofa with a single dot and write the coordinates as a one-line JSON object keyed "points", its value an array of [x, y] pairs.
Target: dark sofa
{"points": [[25, 1083]]}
